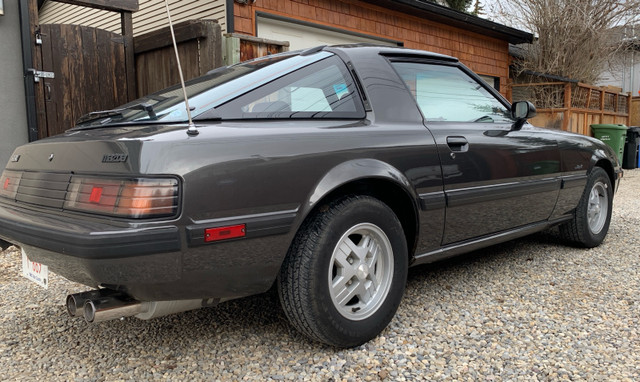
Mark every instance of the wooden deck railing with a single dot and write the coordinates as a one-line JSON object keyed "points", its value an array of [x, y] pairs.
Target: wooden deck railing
{"points": [[634, 112], [574, 106]]}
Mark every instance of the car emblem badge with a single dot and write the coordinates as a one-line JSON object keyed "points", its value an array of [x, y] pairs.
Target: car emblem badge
{"points": [[50, 157], [114, 158], [15, 158]]}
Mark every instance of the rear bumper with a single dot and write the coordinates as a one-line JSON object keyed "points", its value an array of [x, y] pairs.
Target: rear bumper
{"points": [[151, 263], [92, 244]]}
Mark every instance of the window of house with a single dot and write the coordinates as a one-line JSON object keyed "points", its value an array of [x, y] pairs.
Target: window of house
{"points": [[447, 94], [491, 80]]}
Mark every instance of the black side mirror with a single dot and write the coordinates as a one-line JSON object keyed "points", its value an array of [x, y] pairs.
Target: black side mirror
{"points": [[521, 111]]}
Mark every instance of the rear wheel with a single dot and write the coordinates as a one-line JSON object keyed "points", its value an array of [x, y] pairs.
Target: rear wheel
{"points": [[345, 273], [591, 220]]}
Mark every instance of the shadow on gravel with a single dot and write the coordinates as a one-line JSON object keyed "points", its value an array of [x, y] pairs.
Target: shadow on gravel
{"points": [[260, 319], [511, 252]]}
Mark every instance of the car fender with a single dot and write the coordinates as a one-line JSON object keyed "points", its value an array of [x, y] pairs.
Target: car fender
{"points": [[604, 153], [351, 171]]}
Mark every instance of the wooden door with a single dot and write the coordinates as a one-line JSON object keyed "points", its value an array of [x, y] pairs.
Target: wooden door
{"points": [[90, 75]]}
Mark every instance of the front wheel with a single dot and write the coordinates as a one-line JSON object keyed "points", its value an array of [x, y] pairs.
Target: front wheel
{"points": [[345, 273], [591, 220]]}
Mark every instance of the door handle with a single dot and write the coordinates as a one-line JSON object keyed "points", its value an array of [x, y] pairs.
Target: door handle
{"points": [[458, 144]]}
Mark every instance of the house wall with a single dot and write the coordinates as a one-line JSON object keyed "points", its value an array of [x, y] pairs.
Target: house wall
{"points": [[13, 114], [484, 55], [626, 75], [151, 16]]}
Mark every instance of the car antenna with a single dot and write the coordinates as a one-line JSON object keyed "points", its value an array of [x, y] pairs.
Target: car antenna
{"points": [[192, 130]]}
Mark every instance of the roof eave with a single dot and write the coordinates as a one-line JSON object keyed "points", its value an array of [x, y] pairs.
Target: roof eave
{"points": [[445, 15]]}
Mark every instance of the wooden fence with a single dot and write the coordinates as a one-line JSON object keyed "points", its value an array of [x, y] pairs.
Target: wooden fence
{"points": [[199, 47], [574, 106], [634, 112]]}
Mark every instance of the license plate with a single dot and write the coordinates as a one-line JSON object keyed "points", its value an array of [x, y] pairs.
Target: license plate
{"points": [[36, 272]]}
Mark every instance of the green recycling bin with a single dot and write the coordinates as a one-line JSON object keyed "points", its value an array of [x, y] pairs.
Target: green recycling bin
{"points": [[612, 135]]}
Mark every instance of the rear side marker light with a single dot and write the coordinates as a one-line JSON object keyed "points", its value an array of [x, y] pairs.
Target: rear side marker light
{"points": [[6, 183], [224, 233]]}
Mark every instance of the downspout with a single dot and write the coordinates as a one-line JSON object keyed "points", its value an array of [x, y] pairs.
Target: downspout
{"points": [[27, 62], [230, 22]]}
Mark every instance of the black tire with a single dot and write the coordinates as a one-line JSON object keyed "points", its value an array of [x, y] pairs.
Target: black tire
{"points": [[304, 282], [590, 224]]}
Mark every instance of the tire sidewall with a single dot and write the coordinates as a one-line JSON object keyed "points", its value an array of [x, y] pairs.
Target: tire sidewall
{"points": [[362, 210]]}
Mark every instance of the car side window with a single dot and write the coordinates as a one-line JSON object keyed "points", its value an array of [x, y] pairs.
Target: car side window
{"points": [[447, 94], [324, 89]]}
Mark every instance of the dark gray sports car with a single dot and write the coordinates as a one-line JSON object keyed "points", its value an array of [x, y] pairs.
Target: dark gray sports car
{"points": [[327, 172]]}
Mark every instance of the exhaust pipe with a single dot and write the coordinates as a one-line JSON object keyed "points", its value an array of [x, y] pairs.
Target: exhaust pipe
{"points": [[107, 304], [75, 302], [112, 307]]}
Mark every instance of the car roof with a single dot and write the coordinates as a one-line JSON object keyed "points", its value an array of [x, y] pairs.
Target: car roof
{"points": [[385, 50]]}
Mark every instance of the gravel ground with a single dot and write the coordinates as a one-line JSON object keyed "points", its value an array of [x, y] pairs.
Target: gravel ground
{"points": [[530, 310]]}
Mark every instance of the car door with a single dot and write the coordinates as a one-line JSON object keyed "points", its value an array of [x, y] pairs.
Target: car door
{"points": [[495, 179]]}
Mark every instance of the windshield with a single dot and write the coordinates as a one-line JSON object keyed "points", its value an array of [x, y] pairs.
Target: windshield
{"points": [[205, 93]]}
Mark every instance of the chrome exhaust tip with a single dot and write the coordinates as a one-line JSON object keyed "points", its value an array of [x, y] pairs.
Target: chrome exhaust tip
{"points": [[76, 302], [111, 308]]}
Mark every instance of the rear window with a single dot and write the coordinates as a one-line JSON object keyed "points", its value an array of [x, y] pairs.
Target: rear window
{"points": [[279, 86], [324, 89]]}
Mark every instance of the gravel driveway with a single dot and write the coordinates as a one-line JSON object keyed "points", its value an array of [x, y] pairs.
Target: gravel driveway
{"points": [[529, 310]]}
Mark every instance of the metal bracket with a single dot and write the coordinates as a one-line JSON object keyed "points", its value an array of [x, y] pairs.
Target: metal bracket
{"points": [[38, 36], [38, 74]]}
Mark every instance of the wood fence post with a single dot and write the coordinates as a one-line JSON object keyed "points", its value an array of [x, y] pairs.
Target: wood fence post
{"points": [[210, 47], [601, 106], [567, 107], [629, 103], [126, 21]]}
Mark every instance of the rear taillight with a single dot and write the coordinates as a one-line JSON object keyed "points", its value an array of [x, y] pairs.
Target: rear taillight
{"points": [[129, 198], [9, 183]]}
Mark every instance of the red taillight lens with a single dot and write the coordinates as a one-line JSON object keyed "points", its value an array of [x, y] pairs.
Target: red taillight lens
{"points": [[9, 183], [131, 198]]}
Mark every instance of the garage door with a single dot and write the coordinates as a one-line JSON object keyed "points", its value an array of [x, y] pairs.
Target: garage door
{"points": [[305, 36]]}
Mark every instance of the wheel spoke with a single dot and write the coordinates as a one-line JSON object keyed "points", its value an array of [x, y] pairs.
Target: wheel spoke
{"points": [[348, 247], [373, 283], [372, 258], [593, 198], [365, 292], [341, 259], [344, 293]]}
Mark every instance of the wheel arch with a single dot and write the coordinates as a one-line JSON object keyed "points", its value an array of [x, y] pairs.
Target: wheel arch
{"points": [[373, 178], [606, 165]]}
